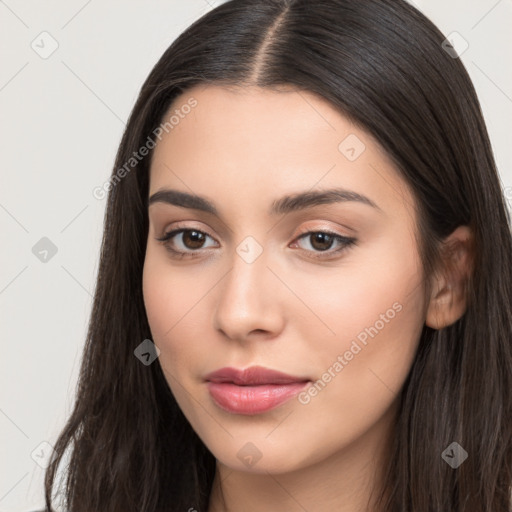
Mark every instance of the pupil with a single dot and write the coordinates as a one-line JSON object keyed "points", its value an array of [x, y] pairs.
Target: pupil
{"points": [[324, 239]]}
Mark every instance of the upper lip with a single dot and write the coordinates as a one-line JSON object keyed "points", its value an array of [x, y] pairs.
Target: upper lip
{"points": [[255, 375]]}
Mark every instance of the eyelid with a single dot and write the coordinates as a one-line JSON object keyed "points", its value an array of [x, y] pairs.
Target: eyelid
{"points": [[185, 226], [302, 231], [320, 229]]}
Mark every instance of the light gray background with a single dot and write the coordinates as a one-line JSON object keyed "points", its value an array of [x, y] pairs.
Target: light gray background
{"points": [[61, 122]]}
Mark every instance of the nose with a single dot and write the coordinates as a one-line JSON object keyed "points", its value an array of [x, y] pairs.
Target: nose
{"points": [[249, 303]]}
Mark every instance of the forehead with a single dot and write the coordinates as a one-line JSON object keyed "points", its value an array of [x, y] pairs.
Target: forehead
{"points": [[286, 111], [250, 138]]}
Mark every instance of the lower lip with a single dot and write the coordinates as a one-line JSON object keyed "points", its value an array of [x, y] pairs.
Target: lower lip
{"points": [[252, 399]]}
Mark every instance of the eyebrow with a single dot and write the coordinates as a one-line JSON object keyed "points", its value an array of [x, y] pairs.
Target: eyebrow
{"points": [[284, 205]]}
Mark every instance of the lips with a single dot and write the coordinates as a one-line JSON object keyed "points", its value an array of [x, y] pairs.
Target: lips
{"points": [[254, 390], [253, 376]]}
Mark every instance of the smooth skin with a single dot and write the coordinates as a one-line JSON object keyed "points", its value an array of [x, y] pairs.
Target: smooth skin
{"points": [[299, 305]]}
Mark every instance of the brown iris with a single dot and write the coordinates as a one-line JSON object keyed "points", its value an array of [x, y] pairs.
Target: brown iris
{"points": [[324, 241], [193, 239]]}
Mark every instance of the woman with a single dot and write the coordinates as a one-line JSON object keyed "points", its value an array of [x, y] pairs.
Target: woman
{"points": [[304, 292]]}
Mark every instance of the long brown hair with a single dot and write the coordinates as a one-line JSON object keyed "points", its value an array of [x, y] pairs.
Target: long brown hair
{"points": [[381, 63]]}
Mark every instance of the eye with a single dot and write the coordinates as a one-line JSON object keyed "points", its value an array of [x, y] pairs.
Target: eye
{"points": [[321, 242], [191, 241]]}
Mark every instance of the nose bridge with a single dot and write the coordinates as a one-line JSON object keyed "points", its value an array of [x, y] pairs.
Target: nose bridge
{"points": [[247, 299]]}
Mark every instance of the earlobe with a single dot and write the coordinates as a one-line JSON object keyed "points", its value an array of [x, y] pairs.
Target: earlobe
{"points": [[449, 297]]}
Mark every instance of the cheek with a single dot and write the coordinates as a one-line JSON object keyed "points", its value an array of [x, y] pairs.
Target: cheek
{"points": [[372, 314], [158, 296], [173, 305]]}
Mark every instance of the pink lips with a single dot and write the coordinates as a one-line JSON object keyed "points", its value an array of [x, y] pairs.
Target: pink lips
{"points": [[252, 391]]}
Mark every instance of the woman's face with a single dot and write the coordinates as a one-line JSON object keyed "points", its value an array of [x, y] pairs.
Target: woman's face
{"points": [[247, 286]]}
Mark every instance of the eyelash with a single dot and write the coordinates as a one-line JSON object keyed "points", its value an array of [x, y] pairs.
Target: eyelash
{"points": [[346, 242]]}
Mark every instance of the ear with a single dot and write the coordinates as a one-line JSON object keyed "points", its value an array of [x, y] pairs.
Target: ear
{"points": [[448, 300]]}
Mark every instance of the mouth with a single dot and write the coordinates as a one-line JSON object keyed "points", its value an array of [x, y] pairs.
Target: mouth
{"points": [[254, 390]]}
